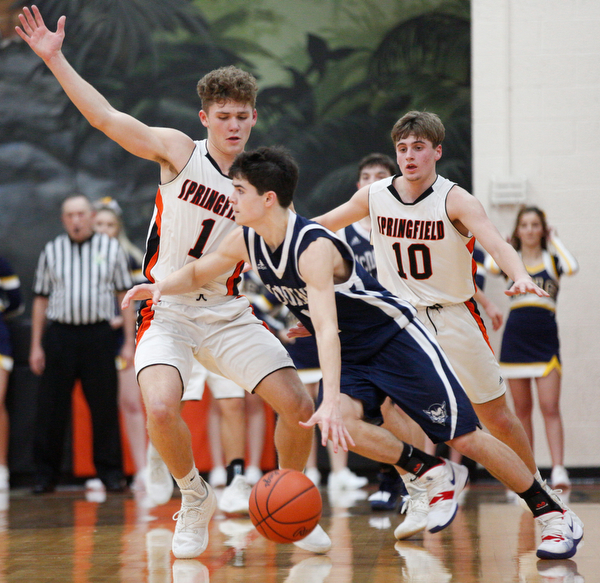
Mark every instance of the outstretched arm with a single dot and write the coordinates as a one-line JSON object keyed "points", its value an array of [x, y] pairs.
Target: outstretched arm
{"points": [[465, 210], [316, 266], [167, 146], [194, 275], [350, 212]]}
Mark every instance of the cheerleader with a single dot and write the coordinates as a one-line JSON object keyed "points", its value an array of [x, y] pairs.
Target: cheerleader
{"points": [[530, 344]]}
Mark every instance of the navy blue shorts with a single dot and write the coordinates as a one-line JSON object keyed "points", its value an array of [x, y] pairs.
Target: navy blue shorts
{"points": [[5, 345], [413, 371]]}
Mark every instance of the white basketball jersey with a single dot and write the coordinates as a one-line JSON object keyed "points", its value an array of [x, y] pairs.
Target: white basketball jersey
{"points": [[191, 217], [420, 255]]}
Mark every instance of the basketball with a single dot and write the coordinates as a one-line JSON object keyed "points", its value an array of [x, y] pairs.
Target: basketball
{"points": [[285, 506]]}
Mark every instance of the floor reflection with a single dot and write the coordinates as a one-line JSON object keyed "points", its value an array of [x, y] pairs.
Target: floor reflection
{"points": [[121, 539]]}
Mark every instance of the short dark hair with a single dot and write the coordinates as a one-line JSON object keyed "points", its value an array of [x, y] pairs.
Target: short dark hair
{"points": [[227, 84], [376, 159], [268, 169]]}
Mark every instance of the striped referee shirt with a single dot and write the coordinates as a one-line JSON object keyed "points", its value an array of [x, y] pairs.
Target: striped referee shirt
{"points": [[80, 279]]}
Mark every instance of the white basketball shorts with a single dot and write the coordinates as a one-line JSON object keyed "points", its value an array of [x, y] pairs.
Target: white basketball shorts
{"points": [[460, 332], [220, 387], [226, 338]]}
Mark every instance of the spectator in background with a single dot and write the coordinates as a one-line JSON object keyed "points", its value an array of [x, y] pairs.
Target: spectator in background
{"points": [[108, 219], [77, 277], [530, 345], [10, 305]]}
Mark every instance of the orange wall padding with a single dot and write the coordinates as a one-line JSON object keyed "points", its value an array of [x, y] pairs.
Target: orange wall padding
{"points": [[195, 415]]}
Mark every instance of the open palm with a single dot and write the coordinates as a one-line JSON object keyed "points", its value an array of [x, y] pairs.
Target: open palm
{"points": [[35, 33]]}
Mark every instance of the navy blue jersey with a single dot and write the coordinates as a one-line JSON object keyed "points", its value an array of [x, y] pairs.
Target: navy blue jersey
{"points": [[368, 315], [359, 240]]}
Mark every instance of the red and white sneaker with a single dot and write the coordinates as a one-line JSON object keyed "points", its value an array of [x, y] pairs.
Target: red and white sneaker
{"points": [[444, 484], [560, 535]]}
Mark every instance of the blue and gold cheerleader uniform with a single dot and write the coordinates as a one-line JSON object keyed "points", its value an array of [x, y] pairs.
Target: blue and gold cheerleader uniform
{"points": [[530, 345], [10, 305]]}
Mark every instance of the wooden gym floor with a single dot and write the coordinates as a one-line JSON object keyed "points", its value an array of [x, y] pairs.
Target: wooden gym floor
{"points": [[64, 537]]}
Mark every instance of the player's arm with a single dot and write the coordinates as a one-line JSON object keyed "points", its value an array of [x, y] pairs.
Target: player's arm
{"points": [[491, 309], [316, 265], [167, 146], [196, 274], [350, 212], [465, 211]]}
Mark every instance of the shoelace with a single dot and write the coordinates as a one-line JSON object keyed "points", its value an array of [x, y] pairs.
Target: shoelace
{"points": [[552, 528], [410, 504], [199, 508]]}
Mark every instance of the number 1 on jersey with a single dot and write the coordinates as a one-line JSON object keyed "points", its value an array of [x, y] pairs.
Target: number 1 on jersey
{"points": [[197, 250]]}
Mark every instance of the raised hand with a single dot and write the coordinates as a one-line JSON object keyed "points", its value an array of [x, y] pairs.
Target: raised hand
{"points": [[34, 32]]}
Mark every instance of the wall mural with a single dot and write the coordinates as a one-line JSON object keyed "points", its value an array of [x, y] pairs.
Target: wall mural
{"points": [[334, 75]]}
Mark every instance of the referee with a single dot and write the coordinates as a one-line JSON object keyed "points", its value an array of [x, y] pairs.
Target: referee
{"points": [[77, 276]]}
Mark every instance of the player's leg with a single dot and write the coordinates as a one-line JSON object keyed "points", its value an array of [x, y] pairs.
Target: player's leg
{"points": [[159, 481], [441, 480], [503, 424], [415, 502], [561, 530], [520, 390], [217, 476], [164, 362], [233, 434], [284, 391], [162, 388], [390, 484]]}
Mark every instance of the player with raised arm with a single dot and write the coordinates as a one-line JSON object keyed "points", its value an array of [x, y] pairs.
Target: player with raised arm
{"points": [[192, 215]]}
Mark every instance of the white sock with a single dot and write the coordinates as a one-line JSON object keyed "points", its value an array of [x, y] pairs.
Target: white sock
{"points": [[192, 481]]}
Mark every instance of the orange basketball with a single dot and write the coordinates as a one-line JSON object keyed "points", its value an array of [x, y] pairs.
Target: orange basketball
{"points": [[285, 506]]}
